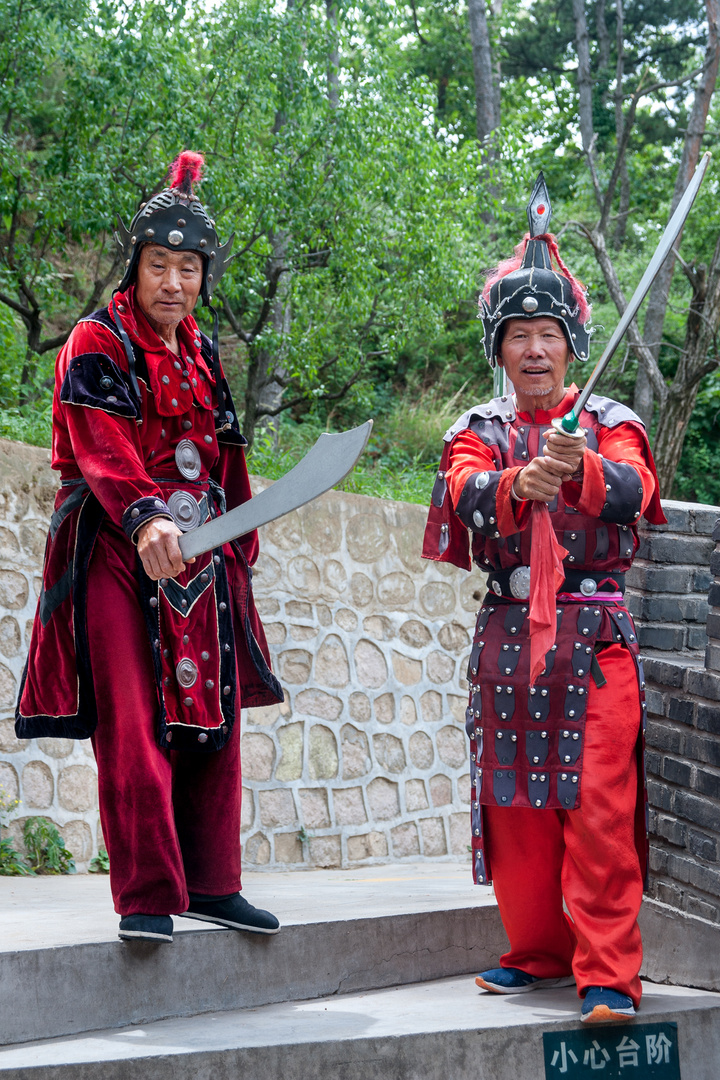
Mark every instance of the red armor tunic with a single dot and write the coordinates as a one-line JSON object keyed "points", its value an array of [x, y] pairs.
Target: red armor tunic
{"points": [[527, 742], [570, 745]]}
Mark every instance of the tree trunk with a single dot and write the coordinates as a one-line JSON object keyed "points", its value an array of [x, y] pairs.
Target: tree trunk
{"points": [[603, 36], [486, 118], [584, 74], [621, 225], [670, 436], [618, 298], [698, 359], [333, 67], [264, 384], [496, 12], [273, 387], [659, 293]]}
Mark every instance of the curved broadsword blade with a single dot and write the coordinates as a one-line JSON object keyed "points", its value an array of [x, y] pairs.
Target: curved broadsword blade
{"points": [[325, 465]]}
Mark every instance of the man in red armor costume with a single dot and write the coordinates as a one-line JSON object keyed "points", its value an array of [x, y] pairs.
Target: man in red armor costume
{"points": [[556, 708], [150, 658]]}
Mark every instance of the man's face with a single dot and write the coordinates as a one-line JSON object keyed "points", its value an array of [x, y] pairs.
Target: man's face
{"points": [[536, 357], [168, 283]]}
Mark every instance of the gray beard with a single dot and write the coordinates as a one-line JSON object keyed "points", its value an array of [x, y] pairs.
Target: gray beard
{"points": [[536, 391]]}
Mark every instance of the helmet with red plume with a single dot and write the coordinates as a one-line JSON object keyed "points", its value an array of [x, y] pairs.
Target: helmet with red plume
{"points": [[176, 219], [536, 282]]}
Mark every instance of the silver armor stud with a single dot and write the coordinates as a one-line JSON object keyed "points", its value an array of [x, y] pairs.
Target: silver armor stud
{"points": [[478, 519], [588, 587], [520, 582], [187, 459], [185, 510], [529, 304], [186, 673], [175, 237], [482, 480], [497, 588]]}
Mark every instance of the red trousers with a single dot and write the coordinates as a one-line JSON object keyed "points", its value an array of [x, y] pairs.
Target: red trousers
{"points": [[171, 821], [586, 857]]}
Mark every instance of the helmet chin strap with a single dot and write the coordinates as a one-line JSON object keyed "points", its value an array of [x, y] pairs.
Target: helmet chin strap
{"points": [[222, 417], [126, 342]]}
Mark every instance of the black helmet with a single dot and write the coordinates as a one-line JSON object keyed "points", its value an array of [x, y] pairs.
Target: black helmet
{"points": [[528, 286], [176, 219]]}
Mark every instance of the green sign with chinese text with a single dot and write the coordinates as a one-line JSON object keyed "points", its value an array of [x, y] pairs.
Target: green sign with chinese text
{"points": [[613, 1052]]}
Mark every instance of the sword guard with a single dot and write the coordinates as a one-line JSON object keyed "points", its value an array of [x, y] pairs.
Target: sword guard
{"points": [[575, 432]]}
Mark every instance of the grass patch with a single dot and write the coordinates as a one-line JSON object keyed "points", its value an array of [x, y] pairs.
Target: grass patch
{"points": [[401, 458]]}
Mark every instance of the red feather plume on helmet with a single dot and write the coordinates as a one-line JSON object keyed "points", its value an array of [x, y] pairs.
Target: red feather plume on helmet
{"points": [[507, 266], [186, 170]]}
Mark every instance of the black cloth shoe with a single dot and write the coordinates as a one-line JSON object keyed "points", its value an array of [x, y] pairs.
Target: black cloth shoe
{"points": [[234, 912], [146, 927]]}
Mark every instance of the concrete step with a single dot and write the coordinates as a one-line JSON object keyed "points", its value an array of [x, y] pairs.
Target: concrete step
{"points": [[439, 1030], [63, 969]]}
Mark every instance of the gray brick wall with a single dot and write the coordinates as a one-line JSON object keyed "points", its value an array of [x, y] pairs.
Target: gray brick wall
{"points": [[674, 593]]}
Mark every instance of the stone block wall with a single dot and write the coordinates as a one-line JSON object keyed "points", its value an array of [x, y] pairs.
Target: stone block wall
{"points": [[673, 587], [366, 760]]}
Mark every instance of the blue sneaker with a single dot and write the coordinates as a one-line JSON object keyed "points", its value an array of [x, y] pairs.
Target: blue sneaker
{"points": [[514, 981], [605, 1006]]}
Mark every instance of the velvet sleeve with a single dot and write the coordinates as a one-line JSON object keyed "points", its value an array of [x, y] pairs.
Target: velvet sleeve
{"points": [[105, 443], [618, 482], [480, 494]]}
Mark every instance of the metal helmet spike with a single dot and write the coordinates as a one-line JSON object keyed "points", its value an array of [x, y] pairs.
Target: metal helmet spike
{"points": [[539, 210]]}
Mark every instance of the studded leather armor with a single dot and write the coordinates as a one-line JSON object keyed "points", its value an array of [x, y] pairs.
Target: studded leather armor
{"points": [[124, 459], [526, 743]]}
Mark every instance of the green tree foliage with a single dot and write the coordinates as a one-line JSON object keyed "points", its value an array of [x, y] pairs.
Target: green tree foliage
{"points": [[341, 151], [371, 203]]}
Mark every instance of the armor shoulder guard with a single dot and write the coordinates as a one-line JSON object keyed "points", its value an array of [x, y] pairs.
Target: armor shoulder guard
{"points": [[102, 317], [95, 381], [502, 408], [610, 413]]}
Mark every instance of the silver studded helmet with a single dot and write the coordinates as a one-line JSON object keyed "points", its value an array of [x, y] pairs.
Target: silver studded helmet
{"points": [[535, 283], [176, 219]]}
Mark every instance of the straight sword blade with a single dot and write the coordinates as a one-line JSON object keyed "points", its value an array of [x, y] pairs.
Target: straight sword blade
{"points": [[569, 423], [325, 465]]}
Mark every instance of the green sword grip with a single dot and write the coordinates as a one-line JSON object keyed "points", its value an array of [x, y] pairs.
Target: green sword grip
{"points": [[570, 423]]}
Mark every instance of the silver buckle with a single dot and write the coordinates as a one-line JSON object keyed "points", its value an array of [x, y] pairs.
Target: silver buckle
{"points": [[520, 582]]}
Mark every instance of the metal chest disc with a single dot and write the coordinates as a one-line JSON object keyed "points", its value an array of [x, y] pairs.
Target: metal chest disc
{"points": [[186, 673], [185, 510], [187, 459]]}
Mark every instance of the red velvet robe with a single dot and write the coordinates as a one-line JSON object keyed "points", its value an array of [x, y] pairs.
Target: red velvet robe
{"points": [[116, 456]]}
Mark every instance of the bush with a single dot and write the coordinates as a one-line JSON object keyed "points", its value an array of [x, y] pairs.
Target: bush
{"points": [[11, 862], [100, 864], [46, 849]]}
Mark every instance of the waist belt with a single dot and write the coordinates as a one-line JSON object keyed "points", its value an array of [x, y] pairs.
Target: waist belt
{"points": [[515, 583]]}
